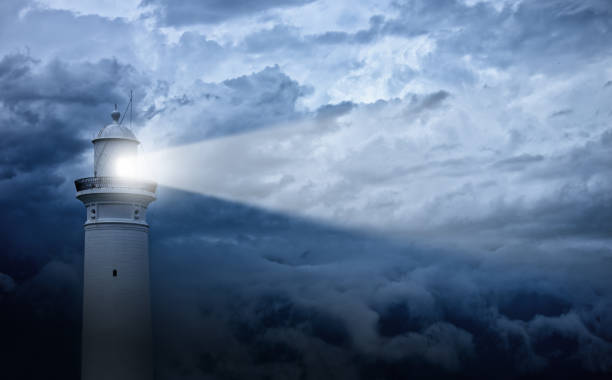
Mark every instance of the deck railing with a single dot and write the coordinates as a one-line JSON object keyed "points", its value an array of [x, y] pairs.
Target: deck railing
{"points": [[90, 183]]}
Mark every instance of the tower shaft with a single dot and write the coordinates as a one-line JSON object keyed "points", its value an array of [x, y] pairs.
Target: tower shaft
{"points": [[116, 340]]}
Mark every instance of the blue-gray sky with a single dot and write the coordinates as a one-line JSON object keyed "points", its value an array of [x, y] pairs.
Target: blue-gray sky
{"points": [[381, 189]]}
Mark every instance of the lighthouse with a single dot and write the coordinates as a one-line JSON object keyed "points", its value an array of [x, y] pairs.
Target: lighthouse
{"points": [[117, 332]]}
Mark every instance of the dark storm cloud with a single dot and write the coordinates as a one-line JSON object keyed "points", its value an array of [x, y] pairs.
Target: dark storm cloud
{"points": [[419, 104], [563, 112], [285, 37], [56, 101], [65, 35], [49, 112], [280, 37], [40, 321], [518, 162], [535, 30], [240, 292], [334, 110], [363, 36], [422, 311], [579, 209], [547, 35], [243, 104], [213, 11]]}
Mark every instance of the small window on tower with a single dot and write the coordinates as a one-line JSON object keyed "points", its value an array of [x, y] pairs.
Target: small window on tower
{"points": [[114, 272]]}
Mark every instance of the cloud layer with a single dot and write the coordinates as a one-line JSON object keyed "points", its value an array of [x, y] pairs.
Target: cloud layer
{"points": [[376, 190]]}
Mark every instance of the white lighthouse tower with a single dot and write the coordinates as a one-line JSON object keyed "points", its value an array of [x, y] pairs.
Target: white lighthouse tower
{"points": [[117, 332]]}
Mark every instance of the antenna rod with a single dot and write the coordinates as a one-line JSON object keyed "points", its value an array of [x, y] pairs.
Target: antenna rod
{"points": [[131, 106], [124, 112]]}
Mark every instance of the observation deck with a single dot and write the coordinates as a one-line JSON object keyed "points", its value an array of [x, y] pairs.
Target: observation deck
{"points": [[109, 183], [115, 189], [115, 199]]}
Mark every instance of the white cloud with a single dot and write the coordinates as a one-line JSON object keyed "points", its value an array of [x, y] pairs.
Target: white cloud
{"points": [[128, 9]]}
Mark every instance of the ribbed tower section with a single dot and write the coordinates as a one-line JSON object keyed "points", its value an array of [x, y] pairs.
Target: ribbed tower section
{"points": [[117, 332]]}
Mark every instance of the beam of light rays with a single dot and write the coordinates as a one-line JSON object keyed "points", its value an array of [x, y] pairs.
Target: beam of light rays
{"points": [[408, 178], [298, 169], [259, 168], [332, 171], [309, 169]]}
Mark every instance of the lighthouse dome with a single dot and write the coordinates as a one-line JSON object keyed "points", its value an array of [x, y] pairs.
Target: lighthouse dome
{"points": [[115, 131]]}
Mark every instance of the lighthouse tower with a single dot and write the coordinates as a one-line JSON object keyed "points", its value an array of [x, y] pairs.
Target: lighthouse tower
{"points": [[117, 333]]}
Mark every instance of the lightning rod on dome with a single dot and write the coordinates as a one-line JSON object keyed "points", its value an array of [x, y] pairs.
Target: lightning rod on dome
{"points": [[129, 105]]}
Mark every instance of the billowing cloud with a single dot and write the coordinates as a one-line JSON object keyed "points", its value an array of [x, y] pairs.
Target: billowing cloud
{"points": [[213, 11], [373, 190], [54, 101], [354, 305], [49, 113], [241, 104]]}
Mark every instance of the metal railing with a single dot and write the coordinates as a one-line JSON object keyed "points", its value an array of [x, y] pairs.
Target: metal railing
{"points": [[114, 182]]}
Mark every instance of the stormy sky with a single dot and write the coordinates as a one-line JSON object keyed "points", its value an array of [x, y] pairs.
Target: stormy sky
{"points": [[348, 190]]}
